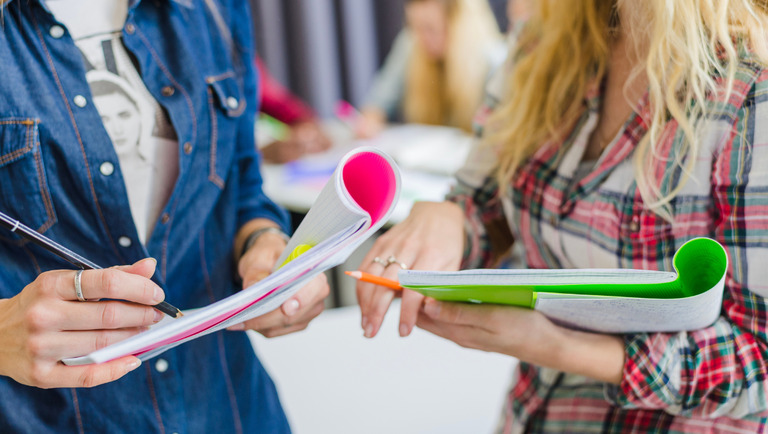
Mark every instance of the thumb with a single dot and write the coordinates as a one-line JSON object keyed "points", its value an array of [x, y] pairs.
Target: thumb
{"points": [[145, 267], [97, 374], [253, 276]]}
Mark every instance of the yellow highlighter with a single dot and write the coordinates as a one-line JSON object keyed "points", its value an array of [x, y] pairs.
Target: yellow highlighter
{"points": [[298, 251]]}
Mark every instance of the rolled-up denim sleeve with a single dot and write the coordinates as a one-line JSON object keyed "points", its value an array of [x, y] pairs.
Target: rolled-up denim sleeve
{"points": [[253, 202]]}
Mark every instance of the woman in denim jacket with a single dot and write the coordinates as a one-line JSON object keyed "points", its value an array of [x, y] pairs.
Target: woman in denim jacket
{"points": [[72, 155]]}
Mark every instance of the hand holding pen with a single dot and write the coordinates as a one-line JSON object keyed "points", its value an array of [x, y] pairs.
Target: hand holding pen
{"points": [[47, 322], [431, 238], [73, 258]]}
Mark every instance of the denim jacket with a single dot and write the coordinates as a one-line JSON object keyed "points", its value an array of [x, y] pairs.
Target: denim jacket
{"points": [[195, 58]]}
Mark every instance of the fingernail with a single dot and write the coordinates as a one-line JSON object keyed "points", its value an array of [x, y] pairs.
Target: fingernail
{"points": [[236, 328], [133, 365], [432, 308], [291, 307], [404, 330], [364, 322], [369, 331], [159, 295], [154, 262], [158, 316]]}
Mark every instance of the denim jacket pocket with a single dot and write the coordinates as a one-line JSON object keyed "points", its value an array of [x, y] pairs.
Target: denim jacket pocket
{"points": [[226, 103], [24, 192]]}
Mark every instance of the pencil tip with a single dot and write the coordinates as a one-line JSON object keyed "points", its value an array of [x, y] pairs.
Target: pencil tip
{"points": [[355, 274], [179, 314]]}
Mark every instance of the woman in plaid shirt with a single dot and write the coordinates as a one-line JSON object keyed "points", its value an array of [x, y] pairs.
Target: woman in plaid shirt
{"points": [[620, 131]]}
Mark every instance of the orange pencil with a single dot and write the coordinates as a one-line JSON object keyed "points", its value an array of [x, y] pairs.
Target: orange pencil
{"points": [[378, 280]]}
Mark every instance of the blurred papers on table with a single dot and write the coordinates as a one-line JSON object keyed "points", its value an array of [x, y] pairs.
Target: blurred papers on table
{"points": [[427, 155]]}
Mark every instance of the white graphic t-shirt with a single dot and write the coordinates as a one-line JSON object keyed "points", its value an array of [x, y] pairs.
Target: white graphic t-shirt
{"points": [[141, 132]]}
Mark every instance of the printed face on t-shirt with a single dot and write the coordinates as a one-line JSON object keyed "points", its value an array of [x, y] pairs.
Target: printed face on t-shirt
{"points": [[121, 118]]}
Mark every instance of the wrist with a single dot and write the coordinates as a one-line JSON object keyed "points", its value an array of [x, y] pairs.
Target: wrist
{"points": [[545, 344], [245, 231], [594, 355], [255, 235]]}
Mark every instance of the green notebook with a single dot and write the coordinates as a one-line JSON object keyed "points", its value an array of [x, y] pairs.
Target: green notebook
{"points": [[605, 300]]}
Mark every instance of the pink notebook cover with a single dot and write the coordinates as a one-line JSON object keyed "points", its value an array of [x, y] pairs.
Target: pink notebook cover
{"points": [[369, 180]]}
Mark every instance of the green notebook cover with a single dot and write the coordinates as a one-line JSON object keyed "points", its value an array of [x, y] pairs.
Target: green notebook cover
{"points": [[700, 267]]}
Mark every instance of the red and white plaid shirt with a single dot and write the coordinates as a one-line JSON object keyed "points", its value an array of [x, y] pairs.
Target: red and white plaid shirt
{"points": [[702, 381]]}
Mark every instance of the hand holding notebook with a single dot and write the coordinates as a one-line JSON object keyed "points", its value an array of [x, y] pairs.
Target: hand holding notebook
{"points": [[356, 201], [601, 300], [430, 238]]}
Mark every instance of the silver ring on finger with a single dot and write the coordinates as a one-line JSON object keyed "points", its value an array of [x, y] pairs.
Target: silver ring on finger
{"points": [[78, 285], [392, 260], [380, 261]]}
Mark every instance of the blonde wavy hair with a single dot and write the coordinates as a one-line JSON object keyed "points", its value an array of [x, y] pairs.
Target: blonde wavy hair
{"points": [[683, 45], [448, 92]]}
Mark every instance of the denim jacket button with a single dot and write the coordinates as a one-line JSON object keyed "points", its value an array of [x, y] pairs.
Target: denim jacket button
{"points": [[124, 242], [168, 91], [161, 365], [187, 148], [56, 31], [130, 28], [80, 101], [165, 218], [232, 102], [107, 168]]}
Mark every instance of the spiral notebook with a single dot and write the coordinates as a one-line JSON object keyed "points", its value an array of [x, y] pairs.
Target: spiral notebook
{"points": [[601, 300], [354, 204]]}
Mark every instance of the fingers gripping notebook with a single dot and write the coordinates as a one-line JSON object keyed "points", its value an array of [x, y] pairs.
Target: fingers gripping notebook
{"points": [[357, 200], [601, 300]]}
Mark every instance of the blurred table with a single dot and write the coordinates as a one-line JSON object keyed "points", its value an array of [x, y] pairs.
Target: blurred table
{"points": [[333, 380], [427, 155]]}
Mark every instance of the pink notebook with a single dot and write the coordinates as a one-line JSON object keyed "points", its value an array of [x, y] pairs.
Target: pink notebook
{"points": [[357, 200]]}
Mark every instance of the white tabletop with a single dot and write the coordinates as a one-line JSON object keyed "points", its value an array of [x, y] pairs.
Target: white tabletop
{"points": [[333, 380]]}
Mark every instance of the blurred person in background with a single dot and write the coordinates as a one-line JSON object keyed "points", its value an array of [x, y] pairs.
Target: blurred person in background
{"points": [[437, 68], [127, 133], [305, 134], [518, 12]]}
